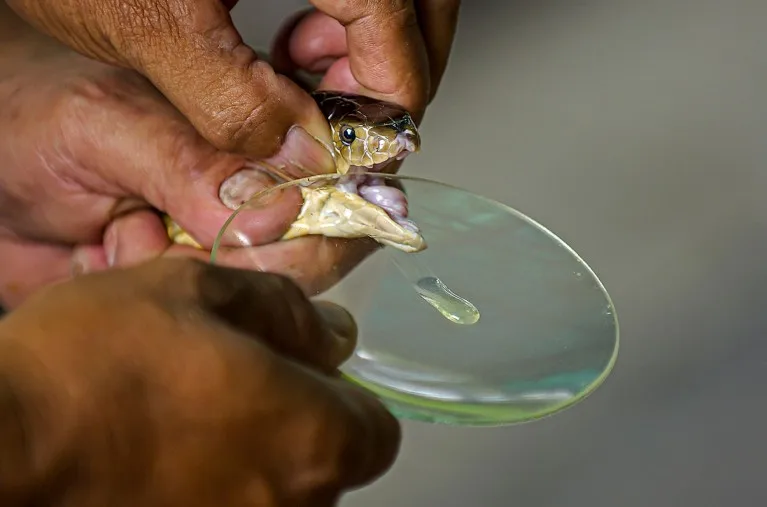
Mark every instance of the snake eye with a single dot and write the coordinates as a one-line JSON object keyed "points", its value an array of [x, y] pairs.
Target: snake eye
{"points": [[348, 135]]}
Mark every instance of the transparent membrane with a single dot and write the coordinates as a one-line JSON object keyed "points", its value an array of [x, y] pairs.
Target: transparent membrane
{"points": [[497, 322]]}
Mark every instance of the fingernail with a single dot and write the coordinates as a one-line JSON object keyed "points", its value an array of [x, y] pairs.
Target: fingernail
{"points": [[244, 184], [110, 245], [343, 327], [79, 264], [304, 155]]}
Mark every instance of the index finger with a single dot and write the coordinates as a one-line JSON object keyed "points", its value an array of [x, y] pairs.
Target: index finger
{"points": [[387, 53]]}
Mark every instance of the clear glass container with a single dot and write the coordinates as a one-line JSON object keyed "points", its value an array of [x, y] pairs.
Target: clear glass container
{"points": [[496, 322]]}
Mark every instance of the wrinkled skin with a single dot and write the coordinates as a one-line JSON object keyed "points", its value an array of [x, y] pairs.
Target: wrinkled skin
{"points": [[88, 149], [180, 383]]}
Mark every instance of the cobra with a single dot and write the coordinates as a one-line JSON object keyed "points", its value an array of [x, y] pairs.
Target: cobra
{"points": [[367, 135]]}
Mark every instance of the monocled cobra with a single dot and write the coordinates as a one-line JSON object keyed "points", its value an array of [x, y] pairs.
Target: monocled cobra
{"points": [[367, 135]]}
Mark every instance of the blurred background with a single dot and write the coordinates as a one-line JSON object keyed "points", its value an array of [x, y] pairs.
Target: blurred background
{"points": [[637, 131]]}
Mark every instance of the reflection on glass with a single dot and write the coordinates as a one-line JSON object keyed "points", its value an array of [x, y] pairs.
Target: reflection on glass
{"points": [[548, 332]]}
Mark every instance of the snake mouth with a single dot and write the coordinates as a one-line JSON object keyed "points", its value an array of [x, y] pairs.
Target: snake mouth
{"points": [[379, 167]]}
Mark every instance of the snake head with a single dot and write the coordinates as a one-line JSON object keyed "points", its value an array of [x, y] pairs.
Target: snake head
{"points": [[367, 133]]}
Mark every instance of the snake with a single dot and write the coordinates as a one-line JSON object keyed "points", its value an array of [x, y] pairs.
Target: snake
{"points": [[367, 136]]}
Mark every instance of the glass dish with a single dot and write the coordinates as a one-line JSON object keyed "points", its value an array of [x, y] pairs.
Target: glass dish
{"points": [[546, 335]]}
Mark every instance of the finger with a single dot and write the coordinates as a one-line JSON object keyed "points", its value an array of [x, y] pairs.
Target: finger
{"points": [[306, 59], [273, 309], [310, 41], [438, 20], [315, 263], [88, 259], [135, 238], [313, 41], [162, 158], [28, 267], [374, 452], [281, 51], [265, 205], [235, 100], [342, 436], [387, 53]]}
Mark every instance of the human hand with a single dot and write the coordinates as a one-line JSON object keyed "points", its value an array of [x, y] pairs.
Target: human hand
{"points": [[394, 51], [192, 52], [88, 149], [105, 174], [180, 383]]}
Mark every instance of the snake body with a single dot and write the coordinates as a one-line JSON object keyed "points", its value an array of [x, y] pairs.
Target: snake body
{"points": [[367, 135]]}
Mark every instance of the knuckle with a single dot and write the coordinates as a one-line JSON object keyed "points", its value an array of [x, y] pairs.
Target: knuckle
{"points": [[239, 117], [231, 128], [110, 90], [233, 292], [84, 95]]}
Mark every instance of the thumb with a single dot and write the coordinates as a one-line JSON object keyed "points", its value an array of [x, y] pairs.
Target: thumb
{"points": [[234, 99], [191, 51], [162, 159]]}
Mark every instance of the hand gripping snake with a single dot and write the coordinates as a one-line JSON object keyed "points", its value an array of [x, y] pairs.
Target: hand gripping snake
{"points": [[367, 135]]}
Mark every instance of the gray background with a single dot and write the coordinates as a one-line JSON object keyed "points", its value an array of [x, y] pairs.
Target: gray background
{"points": [[636, 131]]}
